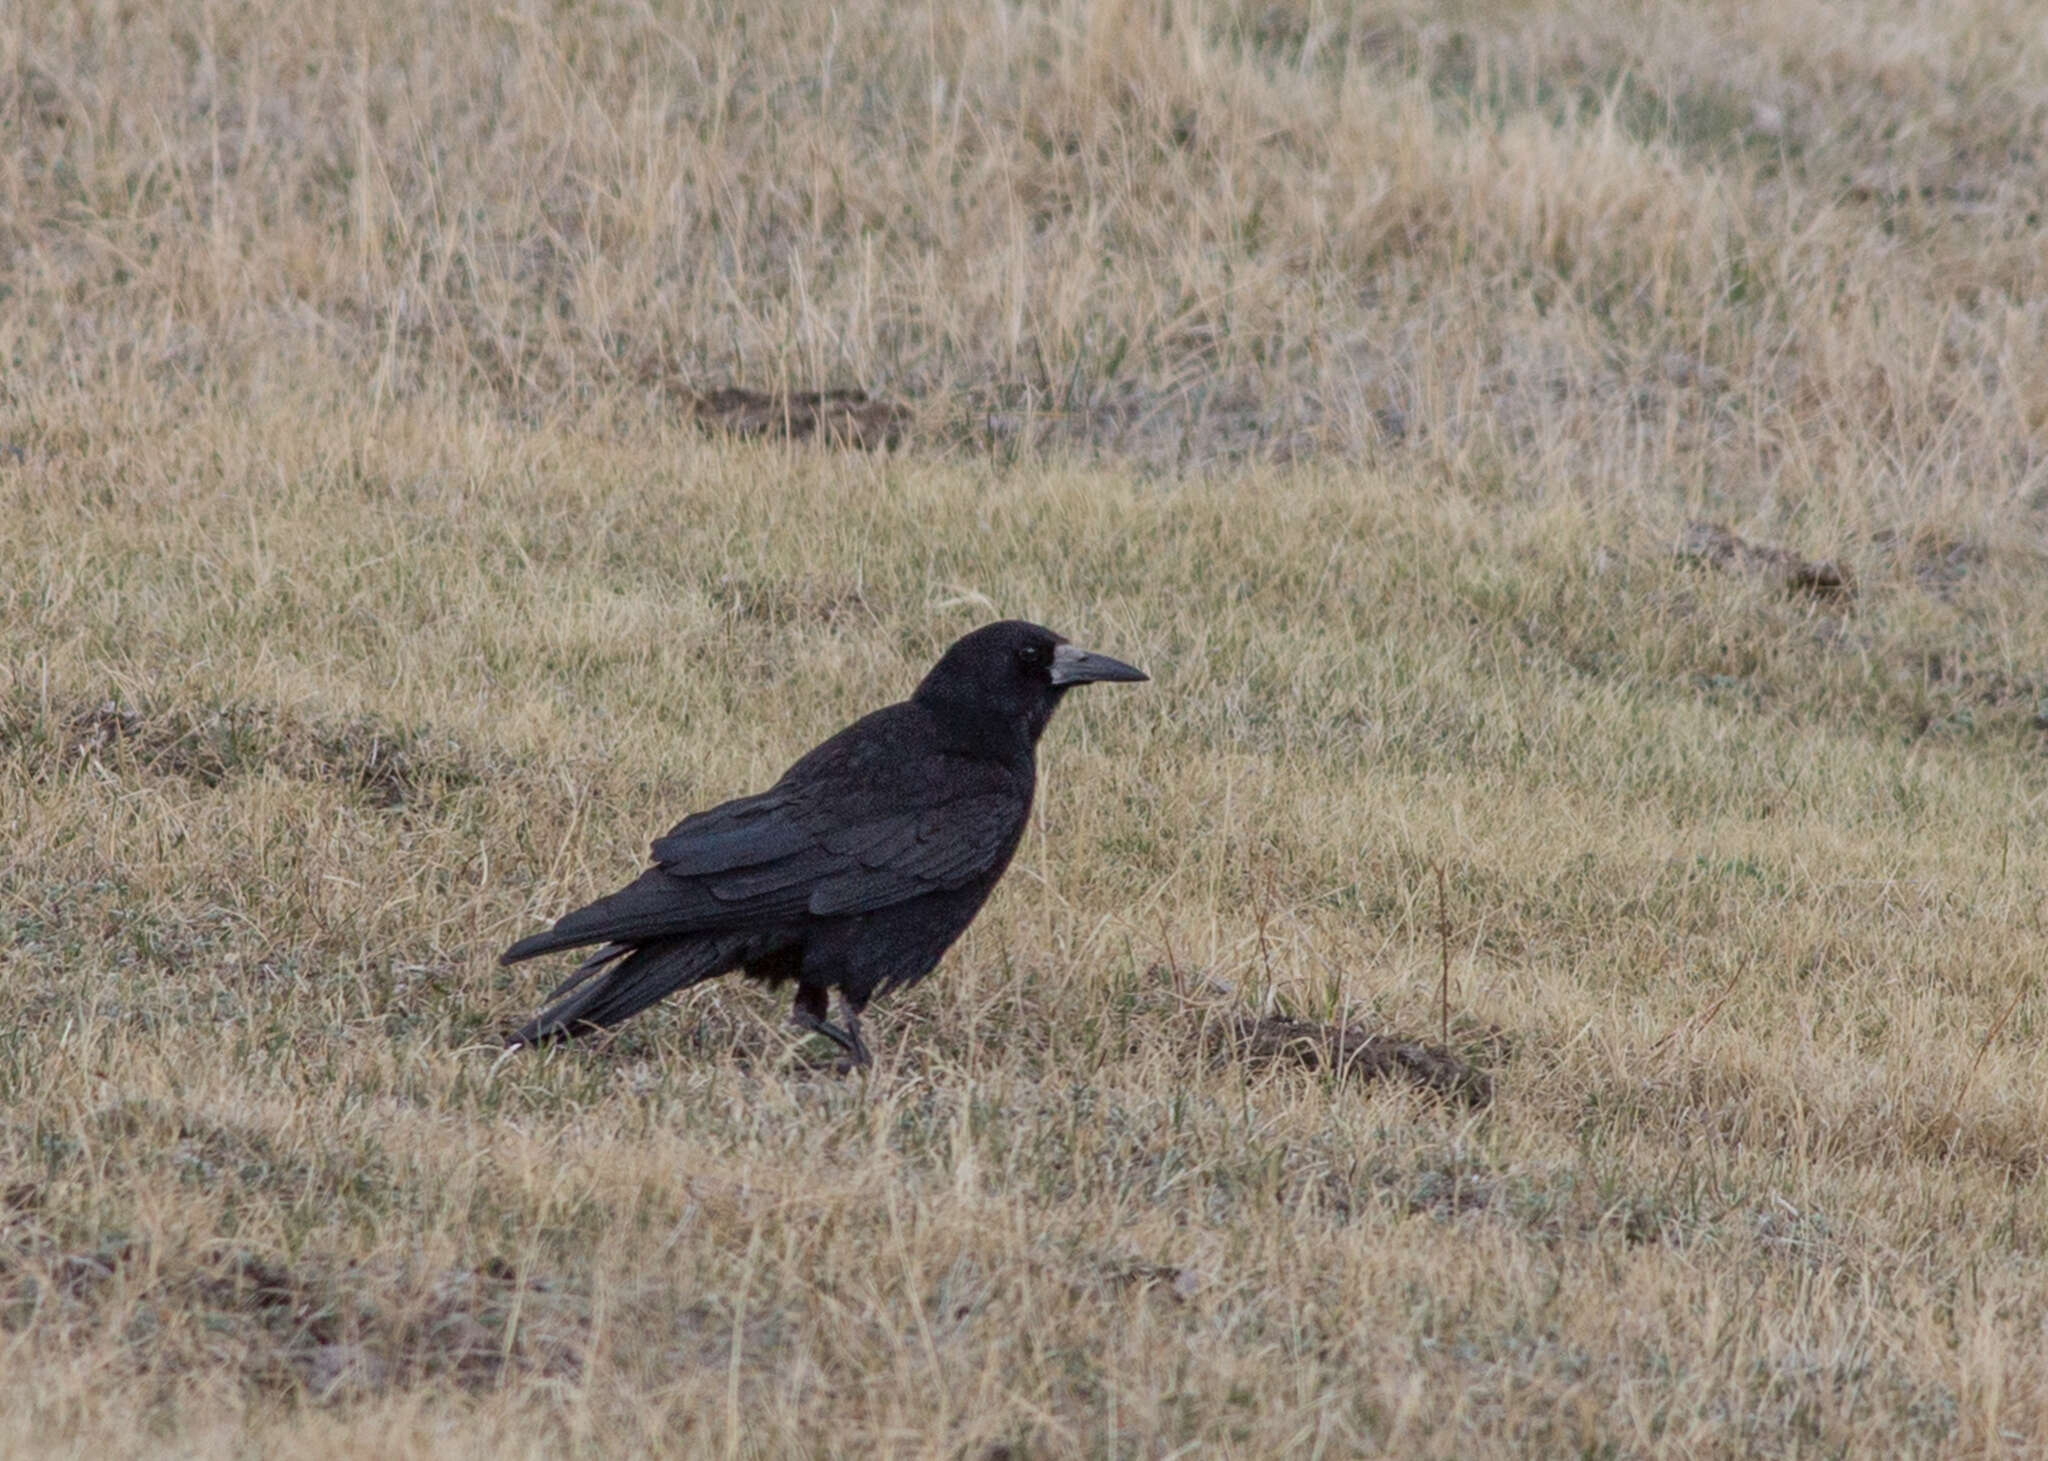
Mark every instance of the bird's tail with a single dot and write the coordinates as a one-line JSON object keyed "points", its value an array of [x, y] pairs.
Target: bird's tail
{"points": [[645, 910], [620, 980]]}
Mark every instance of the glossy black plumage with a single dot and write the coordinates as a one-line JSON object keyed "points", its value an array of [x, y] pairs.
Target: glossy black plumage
{"points": [[856, 871]]}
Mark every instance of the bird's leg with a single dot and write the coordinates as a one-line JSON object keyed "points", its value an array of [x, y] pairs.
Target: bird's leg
{"points": [[808, 1013], [857, 1048]]}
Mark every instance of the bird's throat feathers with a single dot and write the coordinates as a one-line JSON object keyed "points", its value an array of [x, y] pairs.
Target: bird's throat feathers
{"points": [[974, 724]]}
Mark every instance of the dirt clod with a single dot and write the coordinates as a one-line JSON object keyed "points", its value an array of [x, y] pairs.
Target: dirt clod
{"points": [[1274, 1039], [392, 767], [848, 418], [1717, 547]]}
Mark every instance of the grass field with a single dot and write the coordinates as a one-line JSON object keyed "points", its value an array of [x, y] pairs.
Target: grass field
{"points": [[367, 597]]}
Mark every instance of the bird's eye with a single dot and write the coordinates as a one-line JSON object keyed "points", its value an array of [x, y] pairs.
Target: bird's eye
{"points": [[1033, 655]]}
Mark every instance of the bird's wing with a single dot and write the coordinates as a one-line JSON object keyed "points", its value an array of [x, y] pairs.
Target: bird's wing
{"points": [[835, 855], [868, 767], [740, 834], [875, 816], [912, 854]]}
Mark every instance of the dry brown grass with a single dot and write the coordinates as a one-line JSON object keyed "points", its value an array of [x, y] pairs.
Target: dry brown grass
{"points": [[367, 595]]}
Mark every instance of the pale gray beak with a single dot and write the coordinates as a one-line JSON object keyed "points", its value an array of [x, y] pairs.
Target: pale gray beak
{"points": [[1072, 665]]}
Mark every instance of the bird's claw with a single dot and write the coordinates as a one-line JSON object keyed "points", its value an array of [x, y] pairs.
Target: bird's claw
{"points": [[848, 1039]]}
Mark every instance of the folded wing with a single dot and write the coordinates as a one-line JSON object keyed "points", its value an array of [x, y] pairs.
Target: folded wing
{"points": [[777, 859]]}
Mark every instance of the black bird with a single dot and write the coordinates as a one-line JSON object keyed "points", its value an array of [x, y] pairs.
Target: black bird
{"points": [[855, 871]]}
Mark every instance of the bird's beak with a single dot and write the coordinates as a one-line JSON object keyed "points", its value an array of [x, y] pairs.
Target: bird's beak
{"points": [[1072, 665]]}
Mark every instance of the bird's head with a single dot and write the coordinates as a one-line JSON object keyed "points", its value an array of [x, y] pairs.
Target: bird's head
{"points": [[1014, 673]]}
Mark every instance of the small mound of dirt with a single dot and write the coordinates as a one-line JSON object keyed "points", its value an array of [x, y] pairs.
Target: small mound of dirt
{"points": [[1350, 1051], [392, 767], [838, 418], [1714, 546], [326, 1332]]}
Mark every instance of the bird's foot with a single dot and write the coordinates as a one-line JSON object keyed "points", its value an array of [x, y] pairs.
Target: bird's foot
{"points": [[848, 1040], [857, 1053]]}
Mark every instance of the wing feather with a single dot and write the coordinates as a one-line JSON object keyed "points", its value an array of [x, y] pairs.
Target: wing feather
{"points": [[949, 847], [867, 820], [880, 814], [743, 833]]}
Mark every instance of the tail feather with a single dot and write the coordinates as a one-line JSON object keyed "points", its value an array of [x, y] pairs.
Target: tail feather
{"points": [[545, 942], [652, 907], [619, 981], [590, 968]]}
